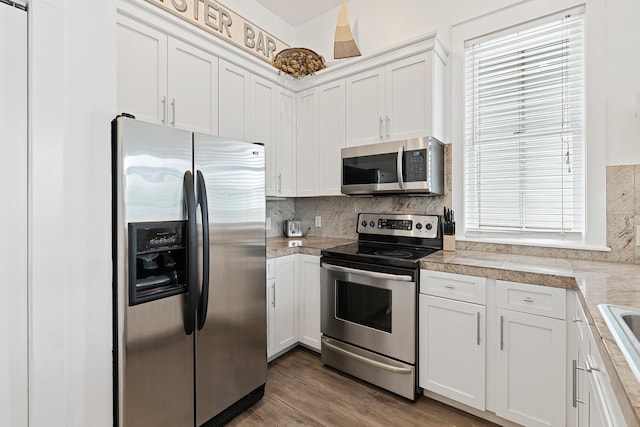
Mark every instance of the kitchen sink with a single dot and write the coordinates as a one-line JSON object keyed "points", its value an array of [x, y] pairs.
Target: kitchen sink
{"points": [[624, 323]]}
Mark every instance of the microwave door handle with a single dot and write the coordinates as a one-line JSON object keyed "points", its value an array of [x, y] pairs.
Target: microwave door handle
{"points": [[399, 166], [372, 274]]}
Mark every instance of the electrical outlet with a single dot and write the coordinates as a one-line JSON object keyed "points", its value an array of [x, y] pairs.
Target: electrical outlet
{"points": [[318, 221], [268, 224]]}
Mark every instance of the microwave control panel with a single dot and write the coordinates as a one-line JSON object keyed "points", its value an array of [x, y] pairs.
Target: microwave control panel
{"points": [[415, 165]]}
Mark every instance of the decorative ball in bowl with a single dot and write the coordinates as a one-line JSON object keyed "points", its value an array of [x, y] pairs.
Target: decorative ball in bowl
{"points": [[298, 62]]}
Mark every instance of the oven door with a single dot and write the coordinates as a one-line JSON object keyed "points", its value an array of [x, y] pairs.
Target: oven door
{"points": [[370, 306]]}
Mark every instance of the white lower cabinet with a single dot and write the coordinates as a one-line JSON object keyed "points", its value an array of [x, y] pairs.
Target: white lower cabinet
{"points": [[293, 303], [530, 369], [591, 400], [282, 300], [452, 349], [494, 346], [309, 288]]}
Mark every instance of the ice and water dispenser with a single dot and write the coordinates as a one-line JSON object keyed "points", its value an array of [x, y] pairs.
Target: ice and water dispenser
{"points": [[157, 260]]}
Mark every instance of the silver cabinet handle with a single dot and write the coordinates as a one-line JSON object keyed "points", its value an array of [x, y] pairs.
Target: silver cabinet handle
{"points": [[589, 367], [273, 290], [478, 328], [279, 183], [375, 363], [373, 274], [501, 332], [574, 376], [528, 299], [388, 127], [380, 130], [574, 320], [173, 109], [164, 110], [449, 286]]}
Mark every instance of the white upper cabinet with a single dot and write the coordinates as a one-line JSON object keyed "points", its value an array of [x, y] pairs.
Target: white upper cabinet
{"points": [[164, 80], [142, 71], [307, 142], [234, 101], [402, 99], [264, 111], [365, 107], [286, 145], [331, 137], [192, 88]]}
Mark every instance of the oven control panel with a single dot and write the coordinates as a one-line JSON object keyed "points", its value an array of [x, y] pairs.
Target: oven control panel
{"points": [[409, 225]]}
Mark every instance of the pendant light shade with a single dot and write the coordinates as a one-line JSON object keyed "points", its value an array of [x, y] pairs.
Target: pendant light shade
{"points": [[344, 46]]}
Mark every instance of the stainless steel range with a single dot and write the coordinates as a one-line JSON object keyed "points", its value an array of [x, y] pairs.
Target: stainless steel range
{"points": [[368, 299]]}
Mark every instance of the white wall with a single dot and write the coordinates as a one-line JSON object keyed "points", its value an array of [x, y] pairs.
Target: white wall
{"points": [[72, 83], [377, 24]]}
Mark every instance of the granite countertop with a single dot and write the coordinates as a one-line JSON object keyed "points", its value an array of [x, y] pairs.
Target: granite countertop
{"points": [[282, 246], [597, 283]]}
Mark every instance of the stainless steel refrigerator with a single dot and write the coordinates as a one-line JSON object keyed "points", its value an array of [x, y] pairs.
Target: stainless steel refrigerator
{"points": [[189, 273]]}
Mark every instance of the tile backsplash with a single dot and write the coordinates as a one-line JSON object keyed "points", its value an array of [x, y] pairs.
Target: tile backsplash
{"points": [[339, 213]]}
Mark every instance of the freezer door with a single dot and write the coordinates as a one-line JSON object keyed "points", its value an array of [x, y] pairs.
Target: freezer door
{"points": [[231, 341], [155, 355]]}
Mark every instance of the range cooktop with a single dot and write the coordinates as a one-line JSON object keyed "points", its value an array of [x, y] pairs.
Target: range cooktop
{"points": [[392, 239]]}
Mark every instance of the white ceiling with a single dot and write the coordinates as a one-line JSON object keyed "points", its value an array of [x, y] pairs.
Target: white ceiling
{"points": [[296, 12]]}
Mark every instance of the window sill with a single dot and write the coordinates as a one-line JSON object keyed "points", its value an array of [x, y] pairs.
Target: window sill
{"points": [[543, 243]]}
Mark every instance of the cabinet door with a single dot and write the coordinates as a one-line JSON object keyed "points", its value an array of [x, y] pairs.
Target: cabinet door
{"points": [[14, 190], [192, 88], [452, 349], [285, 303], [142, 71], [309, 320], [331, 137], [286, 145], [530, 369], [408, 98], [264, 97], [307, 142], [271, 333], [365, 107], [234, 102]]}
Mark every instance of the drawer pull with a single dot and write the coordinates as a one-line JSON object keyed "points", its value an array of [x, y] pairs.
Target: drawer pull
{"points": [[528, 299], [449, 286], [574, 320]]}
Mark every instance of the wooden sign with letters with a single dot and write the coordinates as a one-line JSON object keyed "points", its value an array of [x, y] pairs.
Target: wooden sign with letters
{"points": [[216, 19]]}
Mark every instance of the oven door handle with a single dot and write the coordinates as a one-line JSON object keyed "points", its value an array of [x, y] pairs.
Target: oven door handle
{"points": [[375, 363], [373, 274]]}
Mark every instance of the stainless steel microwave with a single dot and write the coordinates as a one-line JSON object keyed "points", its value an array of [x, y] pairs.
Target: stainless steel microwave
{"points": [[410, 166]]}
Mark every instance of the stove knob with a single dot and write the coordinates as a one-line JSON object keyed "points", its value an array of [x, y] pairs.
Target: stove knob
{"points": [[419, 226], [372, 224], [364, 223], [429, 226]]}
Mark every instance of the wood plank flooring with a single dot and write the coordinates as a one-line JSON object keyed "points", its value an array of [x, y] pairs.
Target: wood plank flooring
{"points": [[301, 391]]}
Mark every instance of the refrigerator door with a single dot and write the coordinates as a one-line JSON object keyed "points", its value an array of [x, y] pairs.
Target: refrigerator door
{"points": [[155, 355], [231, 336]]}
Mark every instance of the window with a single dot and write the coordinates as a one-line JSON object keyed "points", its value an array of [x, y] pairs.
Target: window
{"points": [[524, 149]]}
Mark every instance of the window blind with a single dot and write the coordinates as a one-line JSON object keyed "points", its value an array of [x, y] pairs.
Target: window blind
{"points": [[524, 130]]}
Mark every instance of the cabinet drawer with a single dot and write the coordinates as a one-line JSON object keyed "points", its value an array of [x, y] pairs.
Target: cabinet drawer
{"points": [[271, 268], [453, 286], [534, 299]]}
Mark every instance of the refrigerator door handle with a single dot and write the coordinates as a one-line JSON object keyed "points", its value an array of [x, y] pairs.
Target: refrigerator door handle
{"points": [[204, 210], [192, 263]]}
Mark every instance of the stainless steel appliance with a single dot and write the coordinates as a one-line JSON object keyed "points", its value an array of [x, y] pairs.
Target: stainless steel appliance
{"points": [[410, 166], [292, 228], [368, 294], [188, 267]]}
